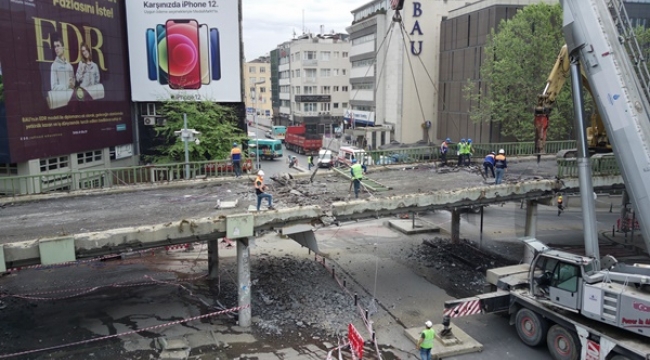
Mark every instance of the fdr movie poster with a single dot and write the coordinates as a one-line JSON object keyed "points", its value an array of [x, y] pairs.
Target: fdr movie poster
{"points": [[64, 77]]}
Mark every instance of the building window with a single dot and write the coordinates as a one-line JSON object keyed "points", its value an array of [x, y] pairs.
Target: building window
{"points": [[298, 73], [325, 106], [148, 109], [252, 80], [9, 169], [54, 163], [262, 69], [297, 53], [335, 72], [251, 70], [362, 86], [344, 105], [262, 78], [325, 72], [344, 88], [336, 88], [345, 54], [344, 72], [89, 156], [310, 90], [363, 39], [309, 55], [310, 73], [325, 55], [335, 55], [336, 105], [262, 89], [325, 89], [363, 63], [310, 107], [297, 90]]}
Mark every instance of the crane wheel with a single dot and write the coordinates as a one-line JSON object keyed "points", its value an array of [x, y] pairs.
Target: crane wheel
{"points": [[563, 344], [531, 327]]}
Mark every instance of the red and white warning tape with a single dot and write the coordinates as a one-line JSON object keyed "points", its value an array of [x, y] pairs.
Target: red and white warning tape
{"points": [[150, 328], [471, 307]]}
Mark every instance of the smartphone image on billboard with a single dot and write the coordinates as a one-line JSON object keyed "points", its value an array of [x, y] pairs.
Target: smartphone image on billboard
{"points": [[152, 50], [162, 54], [204, 40], [215, 54], [183, 54]]}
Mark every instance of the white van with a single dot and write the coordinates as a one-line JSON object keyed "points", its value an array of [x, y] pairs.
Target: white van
{"points": [[325, 159], [347, 153]]}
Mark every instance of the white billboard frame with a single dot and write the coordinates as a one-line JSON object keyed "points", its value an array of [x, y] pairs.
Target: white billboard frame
{"points": [[182, 50]]}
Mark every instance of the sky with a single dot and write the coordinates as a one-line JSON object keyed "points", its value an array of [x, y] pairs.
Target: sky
{"points": [[269, 23]]}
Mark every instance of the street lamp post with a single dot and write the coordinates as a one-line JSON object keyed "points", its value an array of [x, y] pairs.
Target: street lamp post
{"points": [[186, 136], [257, 141]]}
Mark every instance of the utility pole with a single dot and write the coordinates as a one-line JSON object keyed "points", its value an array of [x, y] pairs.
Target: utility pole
{"points": [[187, 135]]}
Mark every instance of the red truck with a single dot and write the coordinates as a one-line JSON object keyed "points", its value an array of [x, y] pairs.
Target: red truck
{"points": [[299, 141]]}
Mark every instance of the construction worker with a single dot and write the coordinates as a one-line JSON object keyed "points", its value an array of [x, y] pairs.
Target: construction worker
{"points": [[501, 166], [461, 152], [425, 342], [560, 205], [488, 163], [310, 162], [469, 150], [235, 157], [357, 171], [444, 148], [260, 190]]}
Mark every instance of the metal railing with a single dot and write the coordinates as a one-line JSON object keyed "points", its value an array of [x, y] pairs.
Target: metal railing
{"points": [[160, 173], [114, 177], [521, 148], [601, 165]]}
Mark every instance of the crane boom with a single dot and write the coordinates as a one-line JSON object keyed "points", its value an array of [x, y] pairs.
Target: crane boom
{"points": [[594, 33]]}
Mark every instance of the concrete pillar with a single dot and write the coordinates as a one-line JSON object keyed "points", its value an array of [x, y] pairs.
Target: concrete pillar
{"points": [[531, 218], [244, 281], [455, 226], [213, 259]]}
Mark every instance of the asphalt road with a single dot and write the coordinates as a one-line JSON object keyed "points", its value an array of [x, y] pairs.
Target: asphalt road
{"points": [[279, 165]]}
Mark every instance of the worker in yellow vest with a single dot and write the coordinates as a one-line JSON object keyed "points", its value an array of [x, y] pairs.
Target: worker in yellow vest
{"points": [[425, 342], [356, 171]]}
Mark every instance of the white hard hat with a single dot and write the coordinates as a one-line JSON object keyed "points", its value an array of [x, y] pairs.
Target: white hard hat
{"points": [[428, 324], [501, 151], [260, 173]]}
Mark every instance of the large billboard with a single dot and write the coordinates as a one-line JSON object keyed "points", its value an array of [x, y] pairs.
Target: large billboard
{"points": [[64, 78], [186, 50]]}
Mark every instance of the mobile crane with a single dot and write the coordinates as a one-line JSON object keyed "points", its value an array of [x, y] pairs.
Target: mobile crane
{"points": [[596, 136], [584, 307]]}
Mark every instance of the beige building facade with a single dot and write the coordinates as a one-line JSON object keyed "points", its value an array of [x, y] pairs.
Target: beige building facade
{"points": [[257, 85]]}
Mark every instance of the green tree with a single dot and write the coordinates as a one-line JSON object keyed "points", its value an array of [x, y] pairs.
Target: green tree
{"points": [[217, 124], [518, 60]]}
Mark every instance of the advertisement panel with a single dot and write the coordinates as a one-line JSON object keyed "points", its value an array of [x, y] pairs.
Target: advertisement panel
{"points": [[64, 78], [184, 50]]}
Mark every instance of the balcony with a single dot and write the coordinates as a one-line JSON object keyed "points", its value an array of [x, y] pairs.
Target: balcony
{"points": [[310, 80], [312, 62]]}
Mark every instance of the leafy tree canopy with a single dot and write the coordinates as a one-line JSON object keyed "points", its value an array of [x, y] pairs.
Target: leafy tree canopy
{"points": [[217, 124], [518, 60]]}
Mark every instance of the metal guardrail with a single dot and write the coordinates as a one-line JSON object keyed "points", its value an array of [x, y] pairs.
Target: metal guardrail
{"points": [[522, 148], [116, 177], [601, 165]]}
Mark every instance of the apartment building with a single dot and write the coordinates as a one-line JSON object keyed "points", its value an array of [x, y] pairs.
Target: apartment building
{"points": [[313, 80], [257, 85]]}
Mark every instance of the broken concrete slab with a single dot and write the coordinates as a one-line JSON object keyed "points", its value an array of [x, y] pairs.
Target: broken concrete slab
{"points": [[226, 204], [458, 343], [407, 227]]}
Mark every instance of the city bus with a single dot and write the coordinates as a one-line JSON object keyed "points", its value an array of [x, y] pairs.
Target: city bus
{"points": [[267, 149]]}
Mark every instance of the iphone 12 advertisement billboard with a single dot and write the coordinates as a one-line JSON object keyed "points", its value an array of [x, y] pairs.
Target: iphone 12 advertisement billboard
{"points": [[181, 55]]}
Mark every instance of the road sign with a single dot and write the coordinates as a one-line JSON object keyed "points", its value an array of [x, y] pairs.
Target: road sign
{"points": [[356, 341]]}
